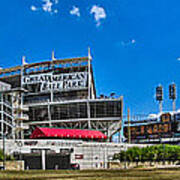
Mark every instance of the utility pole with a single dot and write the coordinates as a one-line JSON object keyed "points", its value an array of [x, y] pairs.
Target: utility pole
{"points": [[129, 130]]}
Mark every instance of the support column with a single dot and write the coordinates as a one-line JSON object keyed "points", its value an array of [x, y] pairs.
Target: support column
{"points": [[89, 88], [21, 134], [174, 105], [13, 120], [49, 113], [88, 114], [129, 130], [160, 106], [121, 123], [22, 113], [43, 157], [4, 152], [2, 116]]}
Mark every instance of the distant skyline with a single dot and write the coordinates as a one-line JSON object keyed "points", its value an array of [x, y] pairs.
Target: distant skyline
{"points": [[135, 45]]}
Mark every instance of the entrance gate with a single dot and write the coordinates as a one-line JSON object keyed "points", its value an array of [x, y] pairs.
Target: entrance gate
{"points": [[57, 161], [32, 161], [52, 160]]}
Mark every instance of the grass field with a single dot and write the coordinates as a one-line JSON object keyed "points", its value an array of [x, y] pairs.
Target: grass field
{"points": [[93, 174]]}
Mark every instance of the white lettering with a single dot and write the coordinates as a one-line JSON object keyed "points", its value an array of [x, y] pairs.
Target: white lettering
{"points": [[58, 82]]}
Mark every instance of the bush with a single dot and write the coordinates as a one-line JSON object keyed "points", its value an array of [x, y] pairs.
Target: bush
{"points": [[8, 157], [155, 153]]}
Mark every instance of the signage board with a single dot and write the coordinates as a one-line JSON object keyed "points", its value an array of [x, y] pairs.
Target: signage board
{"points": [[79, 156], [47, 82], [65, 151]]}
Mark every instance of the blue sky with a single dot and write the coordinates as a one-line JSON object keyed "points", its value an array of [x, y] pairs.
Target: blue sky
{"points": [[135, 44]]}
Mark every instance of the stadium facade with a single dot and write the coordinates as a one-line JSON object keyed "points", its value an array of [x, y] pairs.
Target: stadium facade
{"points": [[51, 117], [50, 113], [58, 94]]}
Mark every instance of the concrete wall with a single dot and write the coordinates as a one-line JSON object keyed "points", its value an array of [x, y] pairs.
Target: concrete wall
{"points": [[89, 155], [147, 164], [13, 165], [94, 156]]}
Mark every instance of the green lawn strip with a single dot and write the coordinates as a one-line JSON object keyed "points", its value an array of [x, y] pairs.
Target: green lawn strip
{"points": [[93, 174]]}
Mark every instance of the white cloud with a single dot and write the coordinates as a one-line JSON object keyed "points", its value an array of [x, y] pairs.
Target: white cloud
{"points": [[56, 11], [178, 58], [75, 11], [133, 41], [128, 43], [33, 8], [47, 6], [56, 1], [99, 13]]}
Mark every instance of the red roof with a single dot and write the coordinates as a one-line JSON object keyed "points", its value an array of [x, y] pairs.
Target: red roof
{"points": [[41, 132]]}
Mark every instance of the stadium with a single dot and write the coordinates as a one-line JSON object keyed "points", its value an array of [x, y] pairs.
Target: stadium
{"points": [[50, 113], [52, 118]]}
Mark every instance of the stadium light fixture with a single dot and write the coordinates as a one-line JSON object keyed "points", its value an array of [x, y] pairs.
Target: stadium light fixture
{"points": [[172, 95], [159, 96]]}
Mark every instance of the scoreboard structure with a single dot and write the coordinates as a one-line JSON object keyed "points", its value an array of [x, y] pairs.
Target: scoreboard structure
{"points": [[165, 126]]}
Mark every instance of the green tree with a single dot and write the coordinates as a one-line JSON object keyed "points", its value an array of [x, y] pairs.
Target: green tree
{"points": [[154, 153], [1, 155]]}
